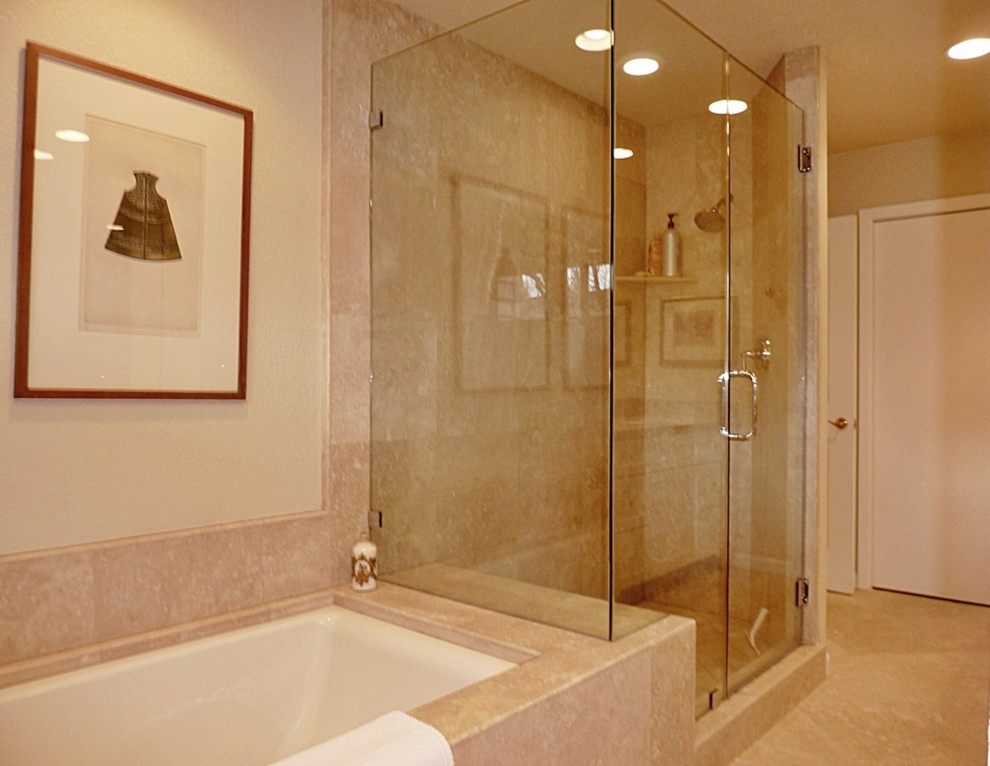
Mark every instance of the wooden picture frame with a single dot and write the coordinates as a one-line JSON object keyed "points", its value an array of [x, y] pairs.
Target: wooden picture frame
{"points": [[134, 236]]}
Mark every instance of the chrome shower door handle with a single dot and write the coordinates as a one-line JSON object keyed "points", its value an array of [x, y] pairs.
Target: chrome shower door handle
{"points": [[724, 380]]}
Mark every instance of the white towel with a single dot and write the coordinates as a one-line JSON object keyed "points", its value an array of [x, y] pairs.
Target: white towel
{"points": [[394, 739]]}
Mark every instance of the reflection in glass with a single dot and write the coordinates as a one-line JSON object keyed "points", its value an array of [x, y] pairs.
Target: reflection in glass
{"points": [[545, 408]]}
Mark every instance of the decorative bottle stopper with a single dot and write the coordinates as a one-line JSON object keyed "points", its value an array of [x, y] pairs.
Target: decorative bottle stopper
{"points": [[364, 564]]}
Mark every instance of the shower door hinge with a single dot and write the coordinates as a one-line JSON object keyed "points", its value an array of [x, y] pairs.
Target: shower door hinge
{"points": [[804, 159], [802, 591], [376, 119]]}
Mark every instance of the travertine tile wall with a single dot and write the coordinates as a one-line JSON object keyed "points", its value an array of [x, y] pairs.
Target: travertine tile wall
{"points": [[64, 599], [359, 34]]}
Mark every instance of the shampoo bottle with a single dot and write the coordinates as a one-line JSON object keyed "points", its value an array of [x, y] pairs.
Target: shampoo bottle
{"points": [[671, 249]]}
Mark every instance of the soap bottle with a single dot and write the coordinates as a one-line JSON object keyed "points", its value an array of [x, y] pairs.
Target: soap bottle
{"points": [[364, 564], [671, 249]]}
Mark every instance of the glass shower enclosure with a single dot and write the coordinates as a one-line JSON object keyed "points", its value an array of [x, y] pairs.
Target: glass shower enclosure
{"points": [[581, 415]]}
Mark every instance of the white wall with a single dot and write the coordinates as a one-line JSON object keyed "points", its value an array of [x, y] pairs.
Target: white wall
{"points": [[936, 167], [74, 471]]}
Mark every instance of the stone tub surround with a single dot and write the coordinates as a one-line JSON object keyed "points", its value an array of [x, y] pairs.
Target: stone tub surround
{"points": [[579, 700], [61, 605], [573, 699]]}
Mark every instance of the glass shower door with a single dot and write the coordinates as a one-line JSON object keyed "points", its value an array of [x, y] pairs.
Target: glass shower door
{"points": [[670, 487], [766, 391], [708, 359]]}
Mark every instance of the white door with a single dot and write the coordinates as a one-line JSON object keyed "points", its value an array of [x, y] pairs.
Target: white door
{"points": [[842, 384], [925, 405]]}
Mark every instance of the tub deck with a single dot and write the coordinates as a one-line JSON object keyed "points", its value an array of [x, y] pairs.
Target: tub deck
{"points": [[247, 697], [570, 699]]}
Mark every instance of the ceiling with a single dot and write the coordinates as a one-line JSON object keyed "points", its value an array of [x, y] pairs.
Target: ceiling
{"points": [[888, 78]]}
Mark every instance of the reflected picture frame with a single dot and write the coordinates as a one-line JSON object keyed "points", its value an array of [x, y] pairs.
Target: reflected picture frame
{"points": [[134, 236], [501, 237], [587, 299], [693, 330]]}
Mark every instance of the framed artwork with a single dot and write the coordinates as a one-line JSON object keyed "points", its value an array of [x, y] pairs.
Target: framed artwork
{"points": [[502, 299], [134, 236], [693, 331], [622, 332], [588, 297]]}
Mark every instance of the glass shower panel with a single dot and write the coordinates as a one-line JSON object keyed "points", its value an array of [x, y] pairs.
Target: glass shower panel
{"points": [[549, 434], [491, 285], [766, 486], [670, 462]]}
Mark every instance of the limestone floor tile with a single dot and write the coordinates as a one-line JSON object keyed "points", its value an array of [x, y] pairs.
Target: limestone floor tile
{"points": [[908, 685]]}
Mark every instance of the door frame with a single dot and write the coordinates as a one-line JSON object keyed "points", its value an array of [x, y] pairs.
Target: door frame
{"points": [[868, 219]]}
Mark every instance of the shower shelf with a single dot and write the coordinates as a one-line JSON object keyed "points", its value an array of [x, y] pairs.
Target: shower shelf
{"points": [[650, 279]]}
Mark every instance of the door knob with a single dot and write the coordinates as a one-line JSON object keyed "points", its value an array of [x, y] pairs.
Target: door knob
{"points": [[839, 423]]}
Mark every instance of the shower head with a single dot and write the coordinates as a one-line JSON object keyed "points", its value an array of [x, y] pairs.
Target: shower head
{"points": [[711, 220]]}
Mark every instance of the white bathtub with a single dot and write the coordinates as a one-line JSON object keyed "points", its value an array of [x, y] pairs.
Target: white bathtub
{"points": [[251, 696]]}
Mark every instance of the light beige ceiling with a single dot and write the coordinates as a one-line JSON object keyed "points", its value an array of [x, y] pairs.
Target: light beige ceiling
{"points": [[888, 77]]}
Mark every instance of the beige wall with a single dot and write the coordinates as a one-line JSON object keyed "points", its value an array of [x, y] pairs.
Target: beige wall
{"points": [[88, 470], [927, 168], [153, 498]]}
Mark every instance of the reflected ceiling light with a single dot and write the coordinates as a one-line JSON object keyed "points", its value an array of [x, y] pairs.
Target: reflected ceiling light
{"points": [[970, 49], [643, 65], [728, 106], [594, 40], [72, 136], [621, 153], [40, 155]]}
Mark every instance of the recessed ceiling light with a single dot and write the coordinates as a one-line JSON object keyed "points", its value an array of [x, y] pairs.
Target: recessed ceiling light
{"points": [[621, 153], [728, 106], [40, 155], [594, 40], [72, 136], [970, 49], [638, 67]]}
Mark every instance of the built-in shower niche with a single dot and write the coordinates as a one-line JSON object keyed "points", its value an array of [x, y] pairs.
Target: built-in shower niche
{"points": [[546, 412]]}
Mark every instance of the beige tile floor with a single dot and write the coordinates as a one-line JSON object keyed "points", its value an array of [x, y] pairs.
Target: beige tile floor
{"points": [[908, 685]]}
